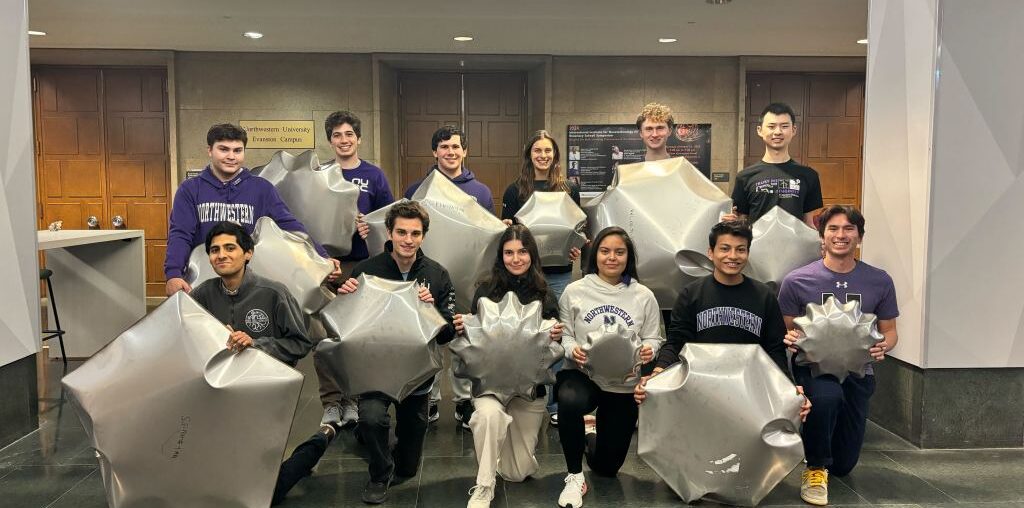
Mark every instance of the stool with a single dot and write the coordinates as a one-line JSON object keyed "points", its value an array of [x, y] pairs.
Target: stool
{"points": [[45, 274]]}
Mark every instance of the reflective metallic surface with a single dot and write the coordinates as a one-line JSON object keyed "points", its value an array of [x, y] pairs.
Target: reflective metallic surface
{"points": [[319, 197], [177, 420], [463, 235], [837, 338], [557, 224], [722, 424], [378, 231], [381, 338], [282, 256], [782, 243], [506, 350], [613, 356], [668, 208]]}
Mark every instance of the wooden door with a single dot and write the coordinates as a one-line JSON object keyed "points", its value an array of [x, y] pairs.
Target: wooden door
{"points": [[490, 107], [830, 121], [102, 144]]}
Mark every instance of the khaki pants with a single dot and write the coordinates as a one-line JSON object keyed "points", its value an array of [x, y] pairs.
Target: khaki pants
{"points": [[505, 438]]}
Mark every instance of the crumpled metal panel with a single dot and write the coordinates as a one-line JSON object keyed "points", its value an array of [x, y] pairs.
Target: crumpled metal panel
{"points": [[837, 338], [613, 356], [282, 256], [381, 338], [506, 350], [782, 243], [557, 223], [668, 208], [177, 420], [463, 235], [319, 196], [722, 425]]}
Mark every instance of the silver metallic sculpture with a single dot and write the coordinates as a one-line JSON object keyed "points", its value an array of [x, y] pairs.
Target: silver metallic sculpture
{"points": [[557, 224], [282, 256], [668, 208], [381, 338], [506, 349], [319, 197], [837, 338], [177, 420], [723, 424], [463, 235], [782, 243], [613, 356]]}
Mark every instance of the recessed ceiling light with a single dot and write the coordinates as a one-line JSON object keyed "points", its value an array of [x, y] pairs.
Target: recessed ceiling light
{"points": [[252, 35], [667, 39], [862, 41], [463, 38], [718, 2], [36, 32]]}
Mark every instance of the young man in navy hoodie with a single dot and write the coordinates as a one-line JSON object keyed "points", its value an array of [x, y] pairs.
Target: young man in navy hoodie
{"points": [[224, 191]]}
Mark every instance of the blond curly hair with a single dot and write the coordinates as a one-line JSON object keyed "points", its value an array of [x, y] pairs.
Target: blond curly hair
{"points": [[656, 113]]}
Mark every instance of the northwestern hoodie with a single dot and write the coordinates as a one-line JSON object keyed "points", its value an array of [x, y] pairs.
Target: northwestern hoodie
{"points": [[465, 181], [203, 201], [587, 304]]}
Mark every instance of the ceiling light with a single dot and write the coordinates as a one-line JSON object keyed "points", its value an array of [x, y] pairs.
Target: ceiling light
{"points": [[463, 38], [252, 35], [718, 2], [667, 39], [862, 41], [36, 32]]}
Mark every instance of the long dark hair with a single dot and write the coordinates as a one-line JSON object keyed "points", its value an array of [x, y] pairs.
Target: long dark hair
{"points": [[629, 274], [529, 286], [556, 181]]}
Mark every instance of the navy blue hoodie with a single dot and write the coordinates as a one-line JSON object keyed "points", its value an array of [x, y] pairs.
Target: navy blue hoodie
{"points": [[203, 201], [465, 181]]}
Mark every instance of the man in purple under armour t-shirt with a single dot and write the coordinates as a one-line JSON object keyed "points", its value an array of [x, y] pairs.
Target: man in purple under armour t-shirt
{"points": [[834, 431]]}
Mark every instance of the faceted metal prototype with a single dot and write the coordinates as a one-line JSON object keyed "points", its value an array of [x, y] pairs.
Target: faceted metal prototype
{"points": [[557, 223], [837, 339], [613, 356], [668, 208], [463, 235], [782, 243], [319, 196], [722, 425], [506, 350], [282, 256], [173, 414], [381, 338]]}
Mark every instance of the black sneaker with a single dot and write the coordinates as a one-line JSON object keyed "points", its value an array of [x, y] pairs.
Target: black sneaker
{"points": [[376, 493], [463, 412], [433, 413]]}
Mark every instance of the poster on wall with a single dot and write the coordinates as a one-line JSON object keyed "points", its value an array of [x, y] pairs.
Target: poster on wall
{"points": [[594, 151]]}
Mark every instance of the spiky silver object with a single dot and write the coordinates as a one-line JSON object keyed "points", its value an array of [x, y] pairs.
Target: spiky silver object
{"points": [[557, 224], [613, 356], [782, 243], [837, 339]]}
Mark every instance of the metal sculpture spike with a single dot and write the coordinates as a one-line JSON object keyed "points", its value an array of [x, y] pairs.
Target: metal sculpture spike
{"points": [[557, 223], [837, 339], [782, 243], [613, 356]]}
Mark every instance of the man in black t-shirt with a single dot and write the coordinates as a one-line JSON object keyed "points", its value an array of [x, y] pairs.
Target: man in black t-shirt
{"points": [[776, 179]]}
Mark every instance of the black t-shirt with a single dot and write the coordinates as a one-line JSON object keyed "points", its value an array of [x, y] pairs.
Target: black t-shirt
{"points": [[511, 204], [708, 311], [762, 186]]}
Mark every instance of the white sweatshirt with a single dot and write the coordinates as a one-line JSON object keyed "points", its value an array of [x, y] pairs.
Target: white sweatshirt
{"points": [[587, 302]]}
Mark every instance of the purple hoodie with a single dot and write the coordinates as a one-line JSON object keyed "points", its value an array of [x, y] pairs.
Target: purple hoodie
{"points": [[465, 181], [203, 201]]}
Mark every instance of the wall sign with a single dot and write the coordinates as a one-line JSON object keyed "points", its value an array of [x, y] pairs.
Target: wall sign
{"points": [[279, 134]]}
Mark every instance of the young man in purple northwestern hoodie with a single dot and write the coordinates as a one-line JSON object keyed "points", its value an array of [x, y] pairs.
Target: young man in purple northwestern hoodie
{"points": [[449, 146], [224, 191], [344, 132]]}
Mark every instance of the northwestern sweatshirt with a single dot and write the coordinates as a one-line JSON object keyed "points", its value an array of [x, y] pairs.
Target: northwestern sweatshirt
{"points": [[203, 201], [587, 304], [465, 181]]}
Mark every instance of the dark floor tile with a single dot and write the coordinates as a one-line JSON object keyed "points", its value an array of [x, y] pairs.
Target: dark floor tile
{"points": [[445, 483], [969, 475], [340, 483], [88, 493], [976, 505], [55, 443], [880, 480], [787, 492], [878, 439], [38, 486]]}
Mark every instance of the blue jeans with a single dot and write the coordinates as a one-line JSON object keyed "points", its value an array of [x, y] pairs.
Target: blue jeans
{"points": [[557, 282], [834, 431]]}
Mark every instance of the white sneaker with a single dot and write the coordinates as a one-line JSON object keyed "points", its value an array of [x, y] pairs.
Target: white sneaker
{"points": [[349, 414], [332, 416], [814, 486], [480, 496], [572, 494]]}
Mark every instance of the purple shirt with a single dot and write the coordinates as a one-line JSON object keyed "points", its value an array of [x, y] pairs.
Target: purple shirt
{"points": [[374, 194]]}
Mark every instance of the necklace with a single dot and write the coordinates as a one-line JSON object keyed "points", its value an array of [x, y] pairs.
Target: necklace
{"points": [[229, 292]]}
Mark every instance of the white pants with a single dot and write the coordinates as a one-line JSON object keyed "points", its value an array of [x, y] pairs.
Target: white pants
{"points": [[505, 437]]}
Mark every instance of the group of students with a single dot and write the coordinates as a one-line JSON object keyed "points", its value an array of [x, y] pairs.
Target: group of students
{"points": [[221, 205]]}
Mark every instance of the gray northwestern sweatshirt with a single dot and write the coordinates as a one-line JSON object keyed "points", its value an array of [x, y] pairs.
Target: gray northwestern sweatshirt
{"points": [[586, 303]]}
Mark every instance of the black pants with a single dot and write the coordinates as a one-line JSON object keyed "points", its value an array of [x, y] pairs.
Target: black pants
{"points": [[616, 422], [834, 431], [410, 429], [299, 465]]}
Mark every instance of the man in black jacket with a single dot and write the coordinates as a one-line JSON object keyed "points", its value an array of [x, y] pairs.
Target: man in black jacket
{"points": [[407, 224]]}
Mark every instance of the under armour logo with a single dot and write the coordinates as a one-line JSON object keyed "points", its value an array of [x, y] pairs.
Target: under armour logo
{"points": [[842, 284]]}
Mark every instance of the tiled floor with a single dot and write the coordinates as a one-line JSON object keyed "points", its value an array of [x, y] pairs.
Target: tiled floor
{"points": [[54, 467]]}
